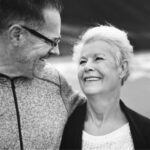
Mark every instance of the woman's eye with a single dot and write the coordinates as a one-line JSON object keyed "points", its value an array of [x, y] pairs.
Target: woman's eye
{"points": [[99, 58], [82, 62]]}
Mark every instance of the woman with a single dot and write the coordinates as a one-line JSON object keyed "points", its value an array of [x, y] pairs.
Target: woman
{"points": [[104, 122]]}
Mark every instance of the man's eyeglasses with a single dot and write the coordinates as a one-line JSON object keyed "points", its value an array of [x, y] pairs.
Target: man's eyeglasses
{"points": [[53, 43]]}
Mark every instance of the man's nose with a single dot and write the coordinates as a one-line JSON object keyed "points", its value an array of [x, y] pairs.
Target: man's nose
{"points": [[55, 50]]}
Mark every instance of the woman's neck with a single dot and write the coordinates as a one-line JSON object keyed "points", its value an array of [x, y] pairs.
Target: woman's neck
{"points": [[102, 110], [103, 116]]}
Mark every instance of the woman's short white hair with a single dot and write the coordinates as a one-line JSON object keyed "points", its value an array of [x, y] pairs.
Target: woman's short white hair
{"points": [[111, 35]]}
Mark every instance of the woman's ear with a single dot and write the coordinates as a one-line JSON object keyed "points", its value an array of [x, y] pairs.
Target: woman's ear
{"points": [[123, 69], [15, 33]]}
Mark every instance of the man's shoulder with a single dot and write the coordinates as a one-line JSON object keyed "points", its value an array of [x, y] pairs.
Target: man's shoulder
{"points": [[50, 74]]}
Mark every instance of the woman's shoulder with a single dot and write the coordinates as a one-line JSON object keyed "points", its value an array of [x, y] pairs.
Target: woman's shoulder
{"points": [[133, 115], [139, 118], [79, 111], [136, 119]]}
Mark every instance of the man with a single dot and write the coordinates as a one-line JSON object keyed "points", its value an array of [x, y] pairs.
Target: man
{"points": [[35, 100]]}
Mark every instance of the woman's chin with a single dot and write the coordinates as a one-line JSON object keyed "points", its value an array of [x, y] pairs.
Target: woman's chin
{"points": [[92, 90]]}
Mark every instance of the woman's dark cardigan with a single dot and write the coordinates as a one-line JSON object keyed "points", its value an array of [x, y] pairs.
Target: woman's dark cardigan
{"points": [[139, 126]]}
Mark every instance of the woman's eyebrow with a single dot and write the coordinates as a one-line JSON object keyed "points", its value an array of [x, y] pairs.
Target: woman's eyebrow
{"points": [[99, 54], [83, 57]]}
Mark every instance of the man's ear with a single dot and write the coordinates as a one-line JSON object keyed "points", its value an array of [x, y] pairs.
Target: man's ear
{"points": [[123, 69], [15, 33]]}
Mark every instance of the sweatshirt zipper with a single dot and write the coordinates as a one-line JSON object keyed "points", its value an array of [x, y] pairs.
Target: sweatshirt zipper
{"points": [[17, 113]]}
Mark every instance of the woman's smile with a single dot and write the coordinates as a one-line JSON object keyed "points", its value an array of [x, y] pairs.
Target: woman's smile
{"points": [[91, 78]]}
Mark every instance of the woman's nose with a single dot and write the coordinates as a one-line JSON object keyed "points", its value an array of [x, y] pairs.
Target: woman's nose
{"points": [[88, 67]]}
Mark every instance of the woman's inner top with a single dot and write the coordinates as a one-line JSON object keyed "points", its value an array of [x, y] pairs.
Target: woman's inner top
{"points": [[119, 139]]}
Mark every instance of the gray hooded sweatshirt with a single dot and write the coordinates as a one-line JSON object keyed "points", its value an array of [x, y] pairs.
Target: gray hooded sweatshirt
{"points": [[33, 112]]}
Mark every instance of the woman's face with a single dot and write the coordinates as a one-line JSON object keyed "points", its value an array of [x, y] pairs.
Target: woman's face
{"points": [[97, 71]]}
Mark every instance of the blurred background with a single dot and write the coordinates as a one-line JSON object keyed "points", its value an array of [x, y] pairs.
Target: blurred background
{"points": [[132, 16]]}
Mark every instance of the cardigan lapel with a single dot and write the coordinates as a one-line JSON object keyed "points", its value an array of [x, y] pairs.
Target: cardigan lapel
{"points": [[137, 136], [72, 136]]}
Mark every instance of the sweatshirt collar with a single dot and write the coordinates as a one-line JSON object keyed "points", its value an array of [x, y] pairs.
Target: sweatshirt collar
{"points": [[6, 80]]}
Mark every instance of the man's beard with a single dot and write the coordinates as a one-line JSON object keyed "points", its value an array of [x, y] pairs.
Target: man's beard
{"points": [[38, 66], [30, 67]]}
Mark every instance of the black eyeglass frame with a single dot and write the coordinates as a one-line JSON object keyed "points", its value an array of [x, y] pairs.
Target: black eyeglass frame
{"points": [[53, 43]]}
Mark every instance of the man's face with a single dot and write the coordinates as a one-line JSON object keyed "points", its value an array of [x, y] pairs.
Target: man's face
{"points": [[36, 50]]}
